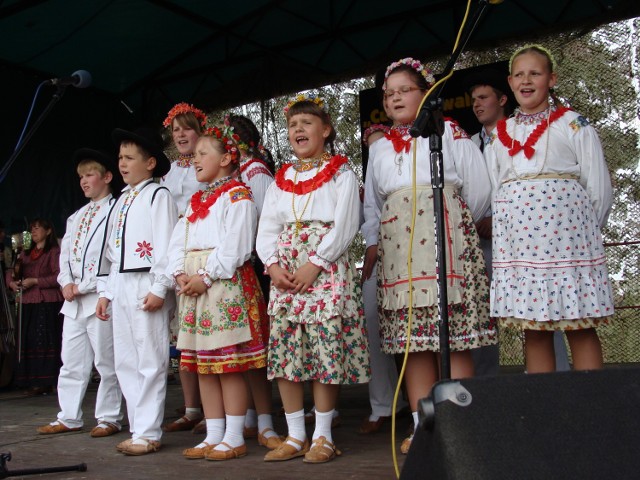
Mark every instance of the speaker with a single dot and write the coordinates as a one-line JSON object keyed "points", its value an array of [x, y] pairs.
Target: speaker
{"points": [[566, 425]]}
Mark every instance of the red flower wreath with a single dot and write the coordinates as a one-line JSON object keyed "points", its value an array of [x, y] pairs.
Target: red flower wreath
{"points": [[312, 184]]}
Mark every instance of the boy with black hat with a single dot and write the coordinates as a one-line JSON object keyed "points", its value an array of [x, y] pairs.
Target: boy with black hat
{"points": [[85, 339], [132, 277]]}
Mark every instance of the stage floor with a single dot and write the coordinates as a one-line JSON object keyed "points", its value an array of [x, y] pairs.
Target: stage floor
{"points": [[364, 456]]}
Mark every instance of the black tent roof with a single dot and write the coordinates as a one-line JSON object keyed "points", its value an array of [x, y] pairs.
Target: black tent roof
{"points": [[220, 54]]}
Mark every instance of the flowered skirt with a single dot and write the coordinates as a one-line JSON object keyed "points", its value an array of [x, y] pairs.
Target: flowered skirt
{"points": [[320, 334], [467, 284], [224, 329], [549, 264]]}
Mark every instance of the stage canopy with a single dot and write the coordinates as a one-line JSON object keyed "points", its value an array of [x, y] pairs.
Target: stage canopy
{"points": [[220, 54], [146, 55]]}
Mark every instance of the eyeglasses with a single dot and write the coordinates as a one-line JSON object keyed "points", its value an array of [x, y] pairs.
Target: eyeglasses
{"points": [[388, 93]]}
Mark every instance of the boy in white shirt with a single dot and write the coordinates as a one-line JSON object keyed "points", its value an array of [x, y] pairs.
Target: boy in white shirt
{"points": [[132, 276], [86, 339]]}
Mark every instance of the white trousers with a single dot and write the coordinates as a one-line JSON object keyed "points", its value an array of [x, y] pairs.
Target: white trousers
{"points": [[384, 376], [141, 347], [87, 340]]}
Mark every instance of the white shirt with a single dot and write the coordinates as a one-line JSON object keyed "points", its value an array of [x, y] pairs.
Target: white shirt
{"points": [[182, 183], [258, 178]]}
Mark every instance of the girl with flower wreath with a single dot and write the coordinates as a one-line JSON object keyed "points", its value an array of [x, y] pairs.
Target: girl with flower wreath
{"points": [[185, 123], [552, 196], [317, 334], [220, 305], [256, 173], [387, 229]]}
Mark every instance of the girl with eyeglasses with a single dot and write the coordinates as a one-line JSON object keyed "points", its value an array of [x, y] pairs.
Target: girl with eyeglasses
{"points": [[387, 229]]}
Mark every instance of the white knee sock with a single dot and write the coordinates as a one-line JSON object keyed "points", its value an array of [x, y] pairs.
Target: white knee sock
{"points": [[215, 432], [251, 418], [266, 422], [323, 425], [415, 421], [233, 433], [295, 425]]}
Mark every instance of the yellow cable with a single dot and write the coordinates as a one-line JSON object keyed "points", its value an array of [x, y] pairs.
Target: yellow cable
{"points": [[409, 257]]}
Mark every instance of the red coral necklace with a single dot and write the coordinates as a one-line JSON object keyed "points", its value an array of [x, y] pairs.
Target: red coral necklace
{"points": [[515, 146], [200, 208]]}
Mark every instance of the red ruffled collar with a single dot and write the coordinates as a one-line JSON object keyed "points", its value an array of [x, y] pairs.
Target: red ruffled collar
{"points": [[306, 186], [200, 208]]}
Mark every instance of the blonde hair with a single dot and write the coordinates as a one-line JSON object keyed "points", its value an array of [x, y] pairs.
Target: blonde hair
{"points": [[88, 165], [535, 48]]}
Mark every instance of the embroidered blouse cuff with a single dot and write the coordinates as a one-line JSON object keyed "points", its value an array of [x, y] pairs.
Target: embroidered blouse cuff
{"points": [[320, 262], [270, 261], [206, 278]]}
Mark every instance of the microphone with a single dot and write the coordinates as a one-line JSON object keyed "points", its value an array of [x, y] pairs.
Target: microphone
{"points": [[78, 79]]}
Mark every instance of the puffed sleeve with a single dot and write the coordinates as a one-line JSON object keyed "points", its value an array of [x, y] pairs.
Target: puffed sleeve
{"points": [[260, 183], [346, 220], [594, 174], [175, 264], [240, 219], [269, 227], [373, 202]]}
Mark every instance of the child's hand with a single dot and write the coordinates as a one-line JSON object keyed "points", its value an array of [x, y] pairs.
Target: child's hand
{"points": [[280, 278], [182, 280], [152, 302], [194, 286], [370, 259], [304, 277], [101, 308], [67, 292]]}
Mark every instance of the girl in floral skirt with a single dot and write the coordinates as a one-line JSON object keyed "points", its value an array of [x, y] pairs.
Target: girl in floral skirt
{"points": [[387, 228], [552, 197], [220, 304], [309, 218]]}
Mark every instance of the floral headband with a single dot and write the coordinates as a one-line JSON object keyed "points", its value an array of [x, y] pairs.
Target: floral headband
{"points": [[304, 97], [241, 144], [538, 48], [226, 136], [181, 109], [413, 63]]}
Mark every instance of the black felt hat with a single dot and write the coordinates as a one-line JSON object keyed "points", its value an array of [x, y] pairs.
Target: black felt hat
{"points": [[151, 141]]}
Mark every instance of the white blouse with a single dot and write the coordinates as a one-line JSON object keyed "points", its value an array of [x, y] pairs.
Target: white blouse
{"points": [[182, 183], [335, 201], [229, 230], [570, 146], [464, 168], [258, 177]]}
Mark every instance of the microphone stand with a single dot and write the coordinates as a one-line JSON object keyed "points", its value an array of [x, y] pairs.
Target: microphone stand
{"points": [[430, 123], [54, 99]]}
